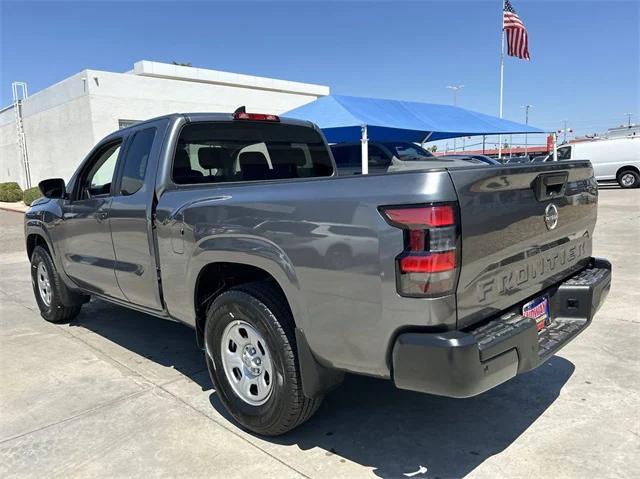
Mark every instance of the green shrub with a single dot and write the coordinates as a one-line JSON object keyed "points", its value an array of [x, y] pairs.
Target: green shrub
{"points": [[30, 195], [11, 185], [10, 192]]}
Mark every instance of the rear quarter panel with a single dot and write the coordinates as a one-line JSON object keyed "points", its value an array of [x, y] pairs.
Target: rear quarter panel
{"points": [[350, 311]]}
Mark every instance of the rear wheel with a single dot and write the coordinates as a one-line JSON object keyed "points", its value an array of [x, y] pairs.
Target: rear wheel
{"points": [[251, 354], [629, 179], [48, 288]]}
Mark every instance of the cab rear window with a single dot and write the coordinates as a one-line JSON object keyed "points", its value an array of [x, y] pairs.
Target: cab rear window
{"points": [[248, 151]]}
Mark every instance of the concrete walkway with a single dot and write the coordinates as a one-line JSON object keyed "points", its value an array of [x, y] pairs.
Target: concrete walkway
{"points": [[121, 394]]}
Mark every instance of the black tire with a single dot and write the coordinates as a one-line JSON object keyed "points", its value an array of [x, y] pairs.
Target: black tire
{"points": [[263, 306], [625, 176], [55, 311]]}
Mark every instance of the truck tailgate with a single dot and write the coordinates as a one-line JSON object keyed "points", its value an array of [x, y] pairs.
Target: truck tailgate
{"points": [[523, 228]]}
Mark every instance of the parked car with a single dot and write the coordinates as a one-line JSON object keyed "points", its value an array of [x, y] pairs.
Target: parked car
{"points": [[615, 159], [389, 157], [457, 279], [484, 159], [518, 159], [542, 158], [381, 155]]}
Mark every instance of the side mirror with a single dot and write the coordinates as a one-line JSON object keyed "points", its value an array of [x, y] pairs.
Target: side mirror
{"points": [[52, 188]]}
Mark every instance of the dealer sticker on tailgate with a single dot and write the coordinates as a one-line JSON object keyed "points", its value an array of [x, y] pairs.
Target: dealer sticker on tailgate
{"points": [[538, 309]]}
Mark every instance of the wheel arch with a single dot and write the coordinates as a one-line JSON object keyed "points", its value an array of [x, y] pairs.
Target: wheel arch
{"points": [[34, 239], [627, 168], [216, 277], [70, 295]]}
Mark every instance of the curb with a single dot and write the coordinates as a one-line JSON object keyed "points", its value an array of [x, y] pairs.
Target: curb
{"points": [[13, 209]]}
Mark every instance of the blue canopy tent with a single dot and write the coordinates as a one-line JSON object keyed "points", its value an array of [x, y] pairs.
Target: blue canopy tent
{"points": [[349, 118]]}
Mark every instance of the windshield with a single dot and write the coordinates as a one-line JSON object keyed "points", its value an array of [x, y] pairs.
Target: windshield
{"points": [[406, 150]]}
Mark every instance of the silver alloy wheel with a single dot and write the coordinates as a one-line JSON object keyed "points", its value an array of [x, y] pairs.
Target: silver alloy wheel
{"points": [[627, 179], [44, 284], [247, 362]]}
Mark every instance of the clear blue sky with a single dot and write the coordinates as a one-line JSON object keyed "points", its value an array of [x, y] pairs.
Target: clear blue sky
{"points": [[584, 54]]}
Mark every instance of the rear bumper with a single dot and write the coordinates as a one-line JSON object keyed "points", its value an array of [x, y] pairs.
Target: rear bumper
{"points": [[467, 363]]}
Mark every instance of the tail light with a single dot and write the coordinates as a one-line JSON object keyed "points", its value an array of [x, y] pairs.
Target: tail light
{"points": [[241, 115], [428, 265]]}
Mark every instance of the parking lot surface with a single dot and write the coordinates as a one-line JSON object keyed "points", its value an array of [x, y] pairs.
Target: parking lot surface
{"points": [[117, 393]]}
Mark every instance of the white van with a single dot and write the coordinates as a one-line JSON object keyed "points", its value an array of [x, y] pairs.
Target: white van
{"points": [[615, 159]]}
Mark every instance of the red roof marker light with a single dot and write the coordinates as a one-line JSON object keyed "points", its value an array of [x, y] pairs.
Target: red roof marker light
{"points": [[255, 116]]}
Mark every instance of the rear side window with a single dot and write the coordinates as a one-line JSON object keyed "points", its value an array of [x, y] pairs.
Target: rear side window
{"points": [[248, 151], [135, 162]]}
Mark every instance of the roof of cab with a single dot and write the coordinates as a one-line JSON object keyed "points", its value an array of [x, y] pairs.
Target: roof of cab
{"points": [[229, 117], [205, 116]]}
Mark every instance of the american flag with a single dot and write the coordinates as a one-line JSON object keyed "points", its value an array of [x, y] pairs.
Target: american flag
{"points": [[517, 39]]}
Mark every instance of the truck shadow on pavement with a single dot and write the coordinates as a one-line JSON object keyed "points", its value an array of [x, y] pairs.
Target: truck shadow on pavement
{"points": [[404, 434], [367, 421], [167, 343]]}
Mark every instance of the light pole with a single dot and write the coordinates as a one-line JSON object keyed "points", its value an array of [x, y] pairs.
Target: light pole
{"points": [[526, 122], [564, 131], [455, 89]]}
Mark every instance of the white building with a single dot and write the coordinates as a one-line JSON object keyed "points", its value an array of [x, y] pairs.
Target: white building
{"points": [[623, 131], [64, 121]]}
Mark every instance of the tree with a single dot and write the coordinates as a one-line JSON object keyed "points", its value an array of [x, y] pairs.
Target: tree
{"points": [[185, 64]]}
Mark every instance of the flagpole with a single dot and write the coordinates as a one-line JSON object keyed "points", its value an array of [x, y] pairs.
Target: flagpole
{"points": [[501, 75]]}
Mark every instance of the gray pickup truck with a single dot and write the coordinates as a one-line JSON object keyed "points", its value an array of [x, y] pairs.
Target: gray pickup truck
{"points": [[447, 281]]}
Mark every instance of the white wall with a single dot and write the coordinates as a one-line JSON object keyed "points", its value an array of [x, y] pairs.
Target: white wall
{"points": [[10, 166], [63, 122], [58, 139], [58, 130], [133, 97]]}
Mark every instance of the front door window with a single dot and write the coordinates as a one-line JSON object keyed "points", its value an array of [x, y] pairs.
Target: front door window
{"points": [[96, 182]]}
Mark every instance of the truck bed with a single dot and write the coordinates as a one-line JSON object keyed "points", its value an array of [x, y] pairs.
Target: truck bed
{"points": [[327, 243]]}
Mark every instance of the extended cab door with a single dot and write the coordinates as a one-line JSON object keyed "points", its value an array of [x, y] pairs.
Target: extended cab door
{"points": [[131, 212], [88, 256]]}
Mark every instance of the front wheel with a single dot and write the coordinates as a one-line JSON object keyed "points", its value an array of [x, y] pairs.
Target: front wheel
{"points": [[629, 179], [251, 356], [48, 288]]}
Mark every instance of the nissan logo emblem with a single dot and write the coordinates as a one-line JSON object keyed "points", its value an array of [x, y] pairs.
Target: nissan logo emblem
{"points": [[551, 216]]}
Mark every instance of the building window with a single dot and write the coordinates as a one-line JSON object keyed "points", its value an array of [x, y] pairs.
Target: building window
{"points": [[126, 123]]}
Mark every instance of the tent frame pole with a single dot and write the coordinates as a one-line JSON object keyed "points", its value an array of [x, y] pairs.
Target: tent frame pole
{"points": [[426, 138], [364, 149]]}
